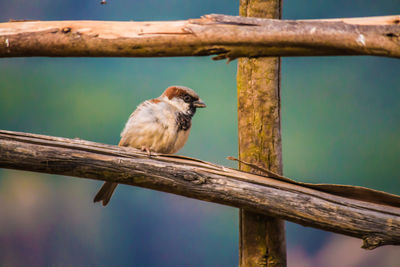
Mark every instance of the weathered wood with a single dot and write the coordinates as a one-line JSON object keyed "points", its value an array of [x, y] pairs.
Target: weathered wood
{"points": [[262, 238], [224, 36], [376, 224], [379, 20]]}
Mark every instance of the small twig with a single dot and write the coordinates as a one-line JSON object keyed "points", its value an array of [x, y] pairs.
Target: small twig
{"points": [[350, 191], [269, 173]]}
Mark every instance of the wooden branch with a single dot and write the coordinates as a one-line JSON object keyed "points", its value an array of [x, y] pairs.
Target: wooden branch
{"points": [[376, 224], [262, 238], [224, 36], [379, 20]]}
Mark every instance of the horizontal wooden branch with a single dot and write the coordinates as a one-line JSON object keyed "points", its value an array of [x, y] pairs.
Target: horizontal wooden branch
{"points": [[376, 224], [378, 20], [224, 36]]}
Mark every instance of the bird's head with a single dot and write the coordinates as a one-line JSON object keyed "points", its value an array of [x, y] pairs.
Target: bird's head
{"points": [[183, 98]]}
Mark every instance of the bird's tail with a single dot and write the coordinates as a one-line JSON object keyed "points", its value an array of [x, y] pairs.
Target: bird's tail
{"points": [[105, 193]]}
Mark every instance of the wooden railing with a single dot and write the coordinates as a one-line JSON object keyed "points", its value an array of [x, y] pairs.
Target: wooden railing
{"points": [[364, 213]]}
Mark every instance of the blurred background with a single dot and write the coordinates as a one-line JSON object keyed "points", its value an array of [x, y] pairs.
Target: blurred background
{"points": [[340, 124]]}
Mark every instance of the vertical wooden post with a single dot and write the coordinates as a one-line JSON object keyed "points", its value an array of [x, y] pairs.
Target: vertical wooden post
{"points": [[262, 238]]}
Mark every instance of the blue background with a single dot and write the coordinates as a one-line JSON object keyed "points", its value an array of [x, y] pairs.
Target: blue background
{"points": [[340, 124]]}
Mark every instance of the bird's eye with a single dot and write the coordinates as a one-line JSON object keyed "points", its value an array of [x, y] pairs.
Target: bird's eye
{"points": [[187, 98]]}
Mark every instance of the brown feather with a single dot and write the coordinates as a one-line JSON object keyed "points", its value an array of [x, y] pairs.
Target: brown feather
{"points": [[105, 193], [179, 92], [155, 100]]}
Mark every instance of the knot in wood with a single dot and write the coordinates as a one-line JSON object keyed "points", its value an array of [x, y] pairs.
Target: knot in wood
{"points": [[372, 241], [194, 177], [66, 29]]}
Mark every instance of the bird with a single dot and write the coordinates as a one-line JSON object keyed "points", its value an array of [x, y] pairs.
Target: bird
{"points": [[160, 125]]}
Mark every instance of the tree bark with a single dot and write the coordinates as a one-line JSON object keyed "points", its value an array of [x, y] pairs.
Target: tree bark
{"points": [[224, 36], [376, 224], [262, 238]]}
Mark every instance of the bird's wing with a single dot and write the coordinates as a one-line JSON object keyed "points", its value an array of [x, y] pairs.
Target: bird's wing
{"points": [[147, 124]]}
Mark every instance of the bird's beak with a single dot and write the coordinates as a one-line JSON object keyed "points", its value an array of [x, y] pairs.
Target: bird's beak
{"points": [[199, 104]]}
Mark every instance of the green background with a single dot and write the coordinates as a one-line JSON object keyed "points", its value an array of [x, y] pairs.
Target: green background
{"points": [[340, 124]]}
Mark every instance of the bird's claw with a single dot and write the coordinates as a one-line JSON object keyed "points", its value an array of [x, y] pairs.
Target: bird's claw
{"points": [[146, 149]]}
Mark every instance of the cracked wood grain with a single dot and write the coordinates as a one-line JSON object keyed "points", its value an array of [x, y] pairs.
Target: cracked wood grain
{"points": [[376, 224], [226, 37]]}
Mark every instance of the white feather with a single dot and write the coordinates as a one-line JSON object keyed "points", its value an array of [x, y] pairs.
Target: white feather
{"points": [[153, 125]]}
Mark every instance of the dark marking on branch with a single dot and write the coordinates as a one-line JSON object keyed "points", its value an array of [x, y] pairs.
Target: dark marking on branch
{"points": [[66, 29]]}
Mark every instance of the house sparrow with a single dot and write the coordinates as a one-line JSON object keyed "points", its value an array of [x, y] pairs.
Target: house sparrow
{"points": [[160, 125]]}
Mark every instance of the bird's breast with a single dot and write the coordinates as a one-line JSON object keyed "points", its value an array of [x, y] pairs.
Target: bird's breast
{"points": [[181, 138], [157, 127]]}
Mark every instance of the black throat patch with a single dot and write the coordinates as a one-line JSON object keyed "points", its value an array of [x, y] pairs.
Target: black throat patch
{"points": [[184, 121]]}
